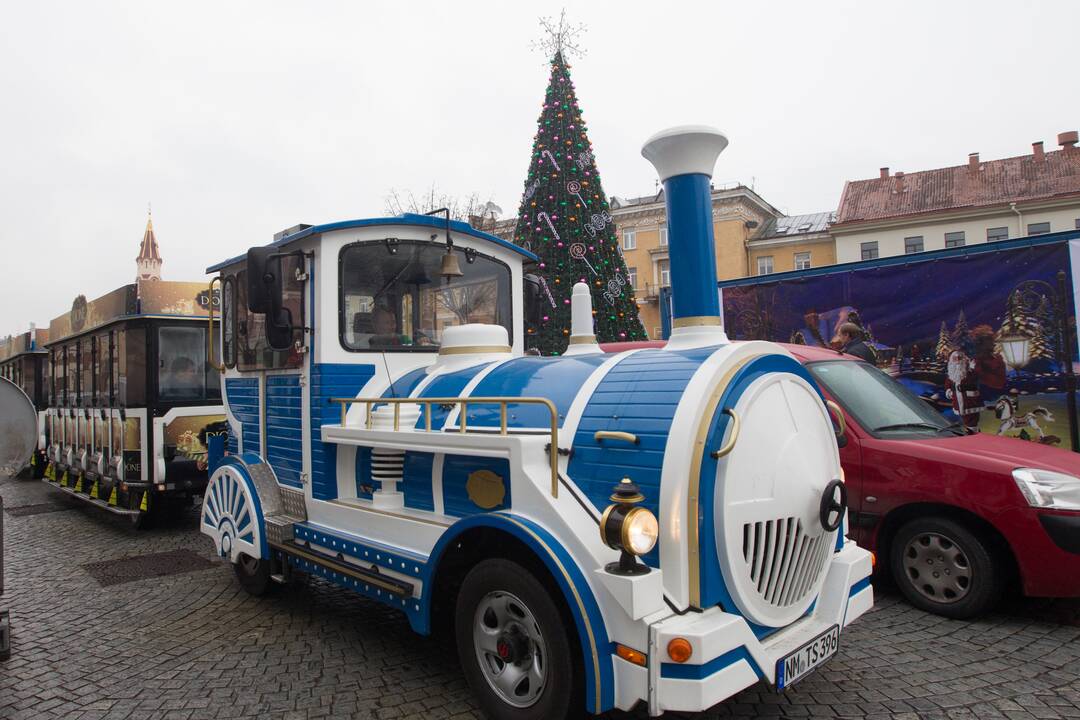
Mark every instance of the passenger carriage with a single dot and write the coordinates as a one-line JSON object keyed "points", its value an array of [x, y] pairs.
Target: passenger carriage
{"points": [[662, 526], [24, 361], [133, 401]]}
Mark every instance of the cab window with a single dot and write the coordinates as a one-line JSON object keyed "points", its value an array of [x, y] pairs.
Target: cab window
{"points": [[400, 302], [252, 350]]}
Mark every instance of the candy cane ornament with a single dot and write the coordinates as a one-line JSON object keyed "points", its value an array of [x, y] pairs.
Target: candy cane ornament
{"points": [[574, 188], [547, 218], [551, 158]]}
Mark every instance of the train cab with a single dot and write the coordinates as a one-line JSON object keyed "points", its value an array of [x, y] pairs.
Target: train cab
{"points": [[24, 361]]}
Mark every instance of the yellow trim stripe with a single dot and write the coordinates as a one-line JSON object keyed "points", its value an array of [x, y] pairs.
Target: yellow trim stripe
{"points": [[693, 513], [696, 320]]}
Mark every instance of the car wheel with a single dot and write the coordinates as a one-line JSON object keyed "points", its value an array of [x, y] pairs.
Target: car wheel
{"points": [[253, 574], [943, 567], [513, 647]]}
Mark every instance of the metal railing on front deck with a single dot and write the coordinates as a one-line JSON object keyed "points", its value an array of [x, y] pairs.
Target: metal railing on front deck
{"points": [[463, 404]]}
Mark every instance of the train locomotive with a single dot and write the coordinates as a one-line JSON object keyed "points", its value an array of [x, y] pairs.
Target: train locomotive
{"points": [[24, 362], [660, 526]]}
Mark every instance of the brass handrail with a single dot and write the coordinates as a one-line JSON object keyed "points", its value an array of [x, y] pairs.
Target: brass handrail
{"points": [[600, 435], [463, 403], [733, 438], [840, 421], [220, 367]]}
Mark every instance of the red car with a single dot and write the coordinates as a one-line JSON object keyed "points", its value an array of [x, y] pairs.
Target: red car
{"points": [[955, 518]]}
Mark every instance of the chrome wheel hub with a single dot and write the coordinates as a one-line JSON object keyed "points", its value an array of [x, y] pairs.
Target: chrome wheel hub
{"points": [[510, 649], [938, 568]]}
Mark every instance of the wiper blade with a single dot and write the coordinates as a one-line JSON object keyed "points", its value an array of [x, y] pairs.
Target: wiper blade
{"points": [[904, 426]]}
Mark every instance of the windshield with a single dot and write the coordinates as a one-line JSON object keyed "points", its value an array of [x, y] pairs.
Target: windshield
{"points": [[877, 402], [400, 301]]}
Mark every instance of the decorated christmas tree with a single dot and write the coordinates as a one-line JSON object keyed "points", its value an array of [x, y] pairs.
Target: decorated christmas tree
{"points": [[944, 345], [564, 217], [1043, 342]]}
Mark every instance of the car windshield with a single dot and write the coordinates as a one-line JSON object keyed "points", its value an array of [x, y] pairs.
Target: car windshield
{"points": [[879, 403]]}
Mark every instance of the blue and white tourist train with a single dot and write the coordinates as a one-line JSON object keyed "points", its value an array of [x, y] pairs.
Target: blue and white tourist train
{"points": [[598, 529]]}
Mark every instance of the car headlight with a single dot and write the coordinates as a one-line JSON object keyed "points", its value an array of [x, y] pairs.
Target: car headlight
{"points": [[639, 531], [1048, 489]]}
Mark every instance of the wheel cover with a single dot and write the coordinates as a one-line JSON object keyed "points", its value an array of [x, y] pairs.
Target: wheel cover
{"points": [[510, 649], [229, 516], [937, 568]]}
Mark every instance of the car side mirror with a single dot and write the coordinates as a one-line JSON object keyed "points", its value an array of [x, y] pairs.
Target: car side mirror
{"points": [[534, 294]]}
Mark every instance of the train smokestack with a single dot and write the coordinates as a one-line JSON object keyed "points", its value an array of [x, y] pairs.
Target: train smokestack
{"points": [[684, 157]]}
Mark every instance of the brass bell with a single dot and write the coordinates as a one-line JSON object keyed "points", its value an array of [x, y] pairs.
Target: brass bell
{"points": [[450, 268]]}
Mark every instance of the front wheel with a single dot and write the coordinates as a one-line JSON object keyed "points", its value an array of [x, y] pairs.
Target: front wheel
{"points": [[945, 568], [513, 645]]}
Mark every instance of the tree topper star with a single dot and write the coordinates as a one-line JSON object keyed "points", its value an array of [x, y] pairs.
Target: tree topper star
{"points": [[560, 39]]}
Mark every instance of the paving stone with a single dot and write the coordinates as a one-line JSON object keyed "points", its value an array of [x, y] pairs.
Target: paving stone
{"points": [[190, 644]]}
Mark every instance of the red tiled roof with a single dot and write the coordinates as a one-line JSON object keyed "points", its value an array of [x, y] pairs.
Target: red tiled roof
{"points": [[995, 182]]}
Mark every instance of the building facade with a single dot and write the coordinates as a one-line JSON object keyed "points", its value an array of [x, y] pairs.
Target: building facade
{"points": [[979, 202], [795, 242], [737, 212]]}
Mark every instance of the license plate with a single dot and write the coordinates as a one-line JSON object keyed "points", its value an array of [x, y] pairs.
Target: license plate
{"points": [[792, 668]]}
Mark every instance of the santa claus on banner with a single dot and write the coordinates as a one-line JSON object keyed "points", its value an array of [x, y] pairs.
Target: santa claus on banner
{"points": [[962, 387]]}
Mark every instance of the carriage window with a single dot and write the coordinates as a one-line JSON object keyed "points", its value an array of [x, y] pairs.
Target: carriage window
{"points": [[400, 302], [182, 363], [228, 322]]}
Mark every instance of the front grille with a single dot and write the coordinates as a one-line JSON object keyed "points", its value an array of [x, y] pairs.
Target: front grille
{"points": [[784, 561]]}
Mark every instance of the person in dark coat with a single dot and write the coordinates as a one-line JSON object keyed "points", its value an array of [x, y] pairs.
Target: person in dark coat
{"points": [[848, 339]]}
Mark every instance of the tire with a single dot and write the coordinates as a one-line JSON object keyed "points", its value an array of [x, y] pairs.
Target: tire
{"points": [[253, 574], [943, 567], [505, 618]]}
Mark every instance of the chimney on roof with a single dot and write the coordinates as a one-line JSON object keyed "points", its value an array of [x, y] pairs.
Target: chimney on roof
{"points": [[1037, 150], [884, 173], [1068, 139], [973, 161], [899, 182]]}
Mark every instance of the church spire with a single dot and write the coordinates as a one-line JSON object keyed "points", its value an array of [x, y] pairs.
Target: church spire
{"points": [[148, 261]]}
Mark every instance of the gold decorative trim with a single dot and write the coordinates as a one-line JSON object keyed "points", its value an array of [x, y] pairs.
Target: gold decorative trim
{"points": [[694, 486], [357, 504], [697, 321], [485, 489], [615, 435], [583, 340], [472, 349], [581, 607]]}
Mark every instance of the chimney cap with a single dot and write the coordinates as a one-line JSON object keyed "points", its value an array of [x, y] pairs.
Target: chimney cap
{"points": [[684, 150], [1069, 138]]}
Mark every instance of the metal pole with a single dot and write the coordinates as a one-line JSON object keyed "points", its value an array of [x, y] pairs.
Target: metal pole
{"points": [[1065, 357]]}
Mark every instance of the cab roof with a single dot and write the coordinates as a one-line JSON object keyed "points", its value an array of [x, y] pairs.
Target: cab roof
{"points": [[432, 221]]}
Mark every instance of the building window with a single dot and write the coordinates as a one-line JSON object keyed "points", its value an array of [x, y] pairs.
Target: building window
{"points": [[663, 237], [993, 234], [1078, 223], [1038, 228], [913, 244], [664, 270], [802, 261], [631, 273], [629, 240], [764, 265], [954, 239], [869, 250]]}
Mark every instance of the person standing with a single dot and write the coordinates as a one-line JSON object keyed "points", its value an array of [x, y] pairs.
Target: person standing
{"points": [[848, 339]]}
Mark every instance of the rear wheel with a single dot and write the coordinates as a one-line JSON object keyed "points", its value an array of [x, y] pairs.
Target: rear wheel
{"points": [[513, 645], [253, 574], [945, 568]]}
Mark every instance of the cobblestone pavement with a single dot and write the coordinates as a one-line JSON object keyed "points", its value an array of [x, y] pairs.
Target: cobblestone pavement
{"points": [[193, 645]]}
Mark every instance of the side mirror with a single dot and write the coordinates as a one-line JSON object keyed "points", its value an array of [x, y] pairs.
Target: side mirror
{"points": [[265, 290], [534, 294]]}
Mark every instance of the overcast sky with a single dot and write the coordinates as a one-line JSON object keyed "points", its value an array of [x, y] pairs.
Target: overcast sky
{"points": [[238, 119]]}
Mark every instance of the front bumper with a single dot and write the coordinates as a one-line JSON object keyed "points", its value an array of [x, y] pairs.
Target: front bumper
{"points": [[727, 657]]}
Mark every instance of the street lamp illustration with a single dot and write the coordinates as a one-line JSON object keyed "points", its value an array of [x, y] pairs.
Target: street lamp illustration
{"points": [[1016, 350]]}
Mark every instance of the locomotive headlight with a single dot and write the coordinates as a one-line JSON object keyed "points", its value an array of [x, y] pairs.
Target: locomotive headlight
{"points": [[1048, 489], [639, 531], [626, 527]]}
